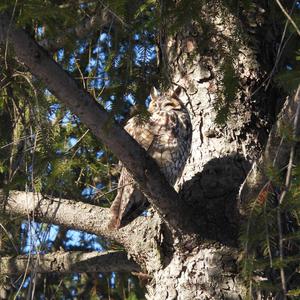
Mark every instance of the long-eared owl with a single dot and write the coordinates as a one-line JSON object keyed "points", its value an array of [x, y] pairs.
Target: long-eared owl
{"points": [[166, 136]]}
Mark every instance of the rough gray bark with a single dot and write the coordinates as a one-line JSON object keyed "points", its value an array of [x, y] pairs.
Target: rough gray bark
{"points": [[142, 238], [221, 157], [68, 262], [59, 211]]}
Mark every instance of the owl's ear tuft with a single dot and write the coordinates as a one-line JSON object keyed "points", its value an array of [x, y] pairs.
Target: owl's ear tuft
{"points": [[154, 94], [176, 93]]}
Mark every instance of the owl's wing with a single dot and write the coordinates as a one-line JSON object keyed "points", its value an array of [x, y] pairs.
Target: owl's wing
{"points": [[164, 129], [154, 136], [141, 131], [130, 201]]}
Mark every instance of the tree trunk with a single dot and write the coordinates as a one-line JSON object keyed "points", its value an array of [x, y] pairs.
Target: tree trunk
{"points": [[230, 122], [221, 155]]}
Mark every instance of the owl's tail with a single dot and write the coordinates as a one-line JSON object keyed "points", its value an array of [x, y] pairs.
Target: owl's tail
{"points": [[128, 204], [119, 204], [115, 209]]}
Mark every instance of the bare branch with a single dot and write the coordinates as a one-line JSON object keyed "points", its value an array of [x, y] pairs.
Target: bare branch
{"points": [[137, 237], [288, 17], [68, 262], [4, 81], [68, 213], [143, 168]]}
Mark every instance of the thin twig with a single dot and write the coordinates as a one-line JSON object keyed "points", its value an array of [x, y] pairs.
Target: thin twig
{"points": [[10, 237], [268, 235], [288, 16], [280, 50], [281, 47], [77, 141], [114, 14], [112, 190], [92, 77], [80, 72], [9, 26], [18, 140]]}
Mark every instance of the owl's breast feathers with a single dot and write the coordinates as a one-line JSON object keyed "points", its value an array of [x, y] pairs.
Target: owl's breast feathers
{"points": [[166, 136]]}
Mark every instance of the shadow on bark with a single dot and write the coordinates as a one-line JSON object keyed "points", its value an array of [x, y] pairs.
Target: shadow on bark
{"points": [[212, 196]]}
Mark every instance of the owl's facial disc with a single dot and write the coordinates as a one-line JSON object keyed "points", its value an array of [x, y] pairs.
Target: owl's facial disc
{"points": [[152, 106]]}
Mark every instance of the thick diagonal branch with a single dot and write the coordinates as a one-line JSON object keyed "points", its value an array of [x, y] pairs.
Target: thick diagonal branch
{"points": [[68, 262], [143, 168]]}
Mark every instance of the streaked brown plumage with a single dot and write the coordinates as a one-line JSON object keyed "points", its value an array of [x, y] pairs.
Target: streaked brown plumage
{"points": [[167, 138]]}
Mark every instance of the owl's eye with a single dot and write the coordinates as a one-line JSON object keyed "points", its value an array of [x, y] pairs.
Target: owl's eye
{"points": [[169, 104], [153, 106], [175, 105]]}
